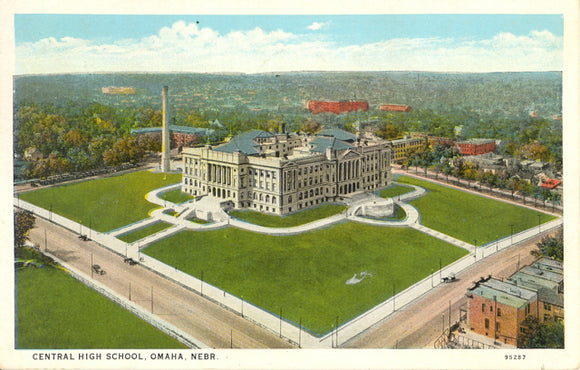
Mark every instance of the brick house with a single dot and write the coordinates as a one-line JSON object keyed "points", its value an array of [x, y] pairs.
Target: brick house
{"points": [[476, 146], [497, 308]]}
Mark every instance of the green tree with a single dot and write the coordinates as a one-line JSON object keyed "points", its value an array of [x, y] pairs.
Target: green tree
{"points": [[125, 150], [549, 334], [551, 246], [23, 222]]}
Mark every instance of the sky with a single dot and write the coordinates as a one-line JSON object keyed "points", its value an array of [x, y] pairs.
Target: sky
{"points": [[74, 43]]}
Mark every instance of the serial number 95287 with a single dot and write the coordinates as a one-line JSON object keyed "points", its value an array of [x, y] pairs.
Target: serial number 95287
{"points": [[515, 357]]}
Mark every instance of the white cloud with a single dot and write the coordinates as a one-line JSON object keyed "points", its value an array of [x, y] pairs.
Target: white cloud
{"points": [[315, 26], [188, 48]]}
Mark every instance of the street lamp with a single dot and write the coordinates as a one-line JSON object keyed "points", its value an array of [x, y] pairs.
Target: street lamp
{"points": [[539, 216]]}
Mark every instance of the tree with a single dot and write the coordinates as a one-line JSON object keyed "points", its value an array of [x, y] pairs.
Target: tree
{"points": [[549, 334], [23, 223], [124, 150], [551, 246], [389, 132], [514, 184], [310, 126], [527, 189]]}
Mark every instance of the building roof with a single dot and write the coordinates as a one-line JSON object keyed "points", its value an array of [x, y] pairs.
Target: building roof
{"points": [[550, 262], [476, 141], [510, 289], [551, 183], [508, 299], [543, 274], [320, 144], [244, 143], [338, 134], [547, 290]]}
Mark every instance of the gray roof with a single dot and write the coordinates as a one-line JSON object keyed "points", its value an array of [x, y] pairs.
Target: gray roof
{"points": [[547, 290], [500, 296], [338, 133], [550, 263], [320, 144], [244, 143], [543, 274], [510, 289]]}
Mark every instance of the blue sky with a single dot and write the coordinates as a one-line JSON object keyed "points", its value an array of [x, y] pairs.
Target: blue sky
{"points": [[53, 43]]}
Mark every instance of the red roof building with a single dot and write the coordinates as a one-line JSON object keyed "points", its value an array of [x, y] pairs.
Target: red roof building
{"points": [[476, 146], [337, 107], [551, 184], [395, 108]]}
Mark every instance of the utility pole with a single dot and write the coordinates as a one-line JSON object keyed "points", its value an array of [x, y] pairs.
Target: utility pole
{"points": [[393, 297], [336, 326], [92, 270], [300, 333], [512, 234], [449, 319]]}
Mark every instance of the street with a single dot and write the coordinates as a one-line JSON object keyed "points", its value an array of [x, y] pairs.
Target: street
{"points": [[211, 324]]}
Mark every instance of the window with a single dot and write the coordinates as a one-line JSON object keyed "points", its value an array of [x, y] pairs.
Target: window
{"points": [[498, 311], [487, 323], [497, 326], [482, 307], [547, 307]]}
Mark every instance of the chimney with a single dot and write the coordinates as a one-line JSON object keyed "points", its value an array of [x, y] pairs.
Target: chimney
{"points": [[165, 140]]}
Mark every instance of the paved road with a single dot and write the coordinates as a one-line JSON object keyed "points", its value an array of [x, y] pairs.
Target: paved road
{"points": [[420, 323], [197, 316]]}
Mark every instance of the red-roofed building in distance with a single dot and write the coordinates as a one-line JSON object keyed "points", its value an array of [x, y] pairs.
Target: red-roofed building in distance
{"points": [[337, 107], [551, 183], [395, 108], [476, 146]]}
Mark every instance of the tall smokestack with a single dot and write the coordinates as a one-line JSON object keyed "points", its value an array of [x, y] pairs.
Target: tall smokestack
{"points": [[165, 145]]}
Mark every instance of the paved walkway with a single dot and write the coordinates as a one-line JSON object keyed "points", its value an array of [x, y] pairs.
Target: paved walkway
{"points": [[266, 319]]}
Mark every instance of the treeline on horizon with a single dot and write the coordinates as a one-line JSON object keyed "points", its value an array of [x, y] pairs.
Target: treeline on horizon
{"points": [[76, 127]]}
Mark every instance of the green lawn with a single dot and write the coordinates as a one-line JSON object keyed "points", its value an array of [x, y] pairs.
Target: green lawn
{"points": [[395, 190], [103, 204], [55, 311], [295, 219], [176, 196], [144, 232], [306, 274], [470, 217]]}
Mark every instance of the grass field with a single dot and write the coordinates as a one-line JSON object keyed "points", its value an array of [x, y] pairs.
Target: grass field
{"points": [[395, 190], [145, 231], [55, 311], [295, 219], [306, 274], [103, 204], [470, 217], [176, 196]]}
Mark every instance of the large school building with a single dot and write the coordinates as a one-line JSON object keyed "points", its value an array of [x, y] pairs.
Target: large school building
{"points": [[284, 173]]}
